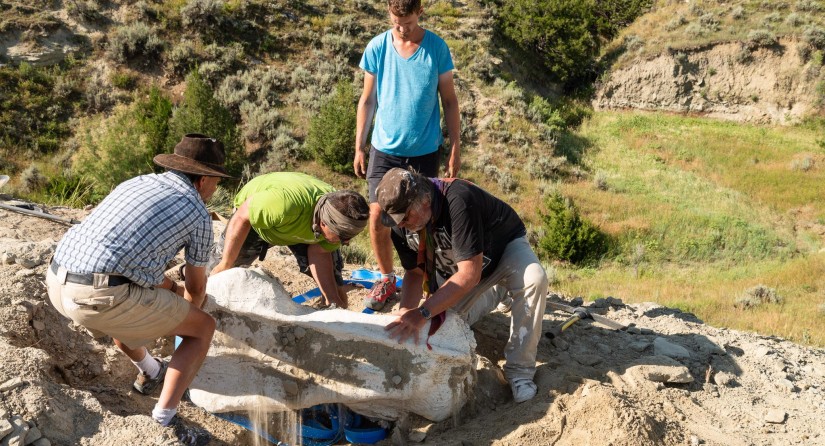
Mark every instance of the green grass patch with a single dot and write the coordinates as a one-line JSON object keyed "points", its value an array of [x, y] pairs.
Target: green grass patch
{"points": [[701, 211], [710, 291]]}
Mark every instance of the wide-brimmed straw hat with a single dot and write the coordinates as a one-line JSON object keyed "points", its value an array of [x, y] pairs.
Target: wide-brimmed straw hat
{"points": [[196, 154]]}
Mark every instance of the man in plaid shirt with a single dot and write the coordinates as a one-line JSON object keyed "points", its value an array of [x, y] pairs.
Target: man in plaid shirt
{"points": [[107, 273]]}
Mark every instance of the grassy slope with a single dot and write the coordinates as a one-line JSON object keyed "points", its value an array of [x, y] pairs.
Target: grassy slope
{"points": [[703, 211], [672, 24]]}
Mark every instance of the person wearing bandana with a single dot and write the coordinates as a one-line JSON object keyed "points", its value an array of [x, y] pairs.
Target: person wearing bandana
{"points": [[301, 212]]}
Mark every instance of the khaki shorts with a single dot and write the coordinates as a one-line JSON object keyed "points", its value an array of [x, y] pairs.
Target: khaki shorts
{"points": [[129, 313]]}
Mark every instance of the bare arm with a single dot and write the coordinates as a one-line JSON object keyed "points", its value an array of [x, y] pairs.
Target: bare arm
{"points": [[411, 290], [235, 234], [366, 111], [449, 102], [195, 291], [323, 271], [410, 320]]}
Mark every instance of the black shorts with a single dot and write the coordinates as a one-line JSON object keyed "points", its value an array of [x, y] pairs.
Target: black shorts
{"points": [[380, 163], [300, 253]]}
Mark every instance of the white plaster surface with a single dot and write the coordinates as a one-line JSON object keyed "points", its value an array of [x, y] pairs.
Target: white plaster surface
{"points": [[271, 354]]}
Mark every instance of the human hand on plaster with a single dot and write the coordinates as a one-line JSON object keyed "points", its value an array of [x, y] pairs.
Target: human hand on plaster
{"points": [[407, 324]]}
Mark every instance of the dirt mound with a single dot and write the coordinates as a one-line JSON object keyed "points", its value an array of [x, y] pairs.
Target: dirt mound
{"points": [[668, 379], [728, 80]]}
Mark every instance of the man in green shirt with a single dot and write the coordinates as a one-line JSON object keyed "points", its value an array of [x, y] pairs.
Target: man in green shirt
{"points": [[298, 211]]}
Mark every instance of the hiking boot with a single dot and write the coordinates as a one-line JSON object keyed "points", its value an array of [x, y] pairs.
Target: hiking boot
{"points": [[189, 435], [523, 389], [381, 290], [505, 304], [145, 385]]}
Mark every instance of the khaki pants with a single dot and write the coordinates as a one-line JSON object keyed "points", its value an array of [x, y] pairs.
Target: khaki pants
{"points": [[519, 275], [129, 313]]}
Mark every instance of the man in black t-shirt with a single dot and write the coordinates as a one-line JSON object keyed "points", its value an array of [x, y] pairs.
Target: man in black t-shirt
{"points": [[468, 251]]}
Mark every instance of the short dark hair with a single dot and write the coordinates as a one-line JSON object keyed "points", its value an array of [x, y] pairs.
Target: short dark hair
{"points": [[350, 203], [403, 8], [194, 178]]}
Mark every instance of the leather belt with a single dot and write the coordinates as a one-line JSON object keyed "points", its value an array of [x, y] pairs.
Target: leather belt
{"points": [[88, 279]]}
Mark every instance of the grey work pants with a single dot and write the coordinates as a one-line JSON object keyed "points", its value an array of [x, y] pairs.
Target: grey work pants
{"points": [[520, 275]]}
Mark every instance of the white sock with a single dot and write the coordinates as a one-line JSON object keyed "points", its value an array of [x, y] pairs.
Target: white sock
{"points": [[163, 416], [148, 365], [388, 276]]}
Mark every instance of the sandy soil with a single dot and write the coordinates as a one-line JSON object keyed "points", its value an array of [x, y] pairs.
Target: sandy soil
{"points": [[669, 379]]}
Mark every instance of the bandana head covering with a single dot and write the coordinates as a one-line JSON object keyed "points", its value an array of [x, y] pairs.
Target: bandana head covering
{"points": [[344, 227]]}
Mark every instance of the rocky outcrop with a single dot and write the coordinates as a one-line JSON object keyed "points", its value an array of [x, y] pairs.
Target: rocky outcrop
{"points": [[727, 80]]}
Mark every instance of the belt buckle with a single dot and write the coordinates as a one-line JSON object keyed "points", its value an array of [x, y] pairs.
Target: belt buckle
{"points": [[100, 280]]}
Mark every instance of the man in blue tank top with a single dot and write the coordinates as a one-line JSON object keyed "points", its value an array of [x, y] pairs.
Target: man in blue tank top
{"points": [[406, 70]]}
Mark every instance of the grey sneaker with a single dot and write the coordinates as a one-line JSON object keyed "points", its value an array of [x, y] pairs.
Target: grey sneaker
{"points": [[145, 385], [523, 389], [189, 435], [505, 304]]}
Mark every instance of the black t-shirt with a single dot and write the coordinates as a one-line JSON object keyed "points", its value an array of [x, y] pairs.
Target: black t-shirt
{"points": [[470, 221]]}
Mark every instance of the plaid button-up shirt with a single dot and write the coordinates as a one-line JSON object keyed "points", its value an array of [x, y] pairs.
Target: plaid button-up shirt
{"points": [[138, 228]]}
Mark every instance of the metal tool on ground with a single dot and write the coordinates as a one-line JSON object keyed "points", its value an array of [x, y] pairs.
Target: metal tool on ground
{"points": [[39, 214], [578, 313], [29, 209]]}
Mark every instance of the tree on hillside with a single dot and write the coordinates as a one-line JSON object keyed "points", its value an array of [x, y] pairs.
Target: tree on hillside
{"points": [[332, 130], [118, 147], [200, 112], [153, 117], [567, 236], [567, 34], [557, 30]]}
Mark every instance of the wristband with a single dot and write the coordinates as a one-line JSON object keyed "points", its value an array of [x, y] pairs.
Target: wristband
{"points": [[425, 313]]}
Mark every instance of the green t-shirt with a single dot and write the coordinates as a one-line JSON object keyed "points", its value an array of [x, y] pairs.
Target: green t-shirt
{"points": [[281, 206]]}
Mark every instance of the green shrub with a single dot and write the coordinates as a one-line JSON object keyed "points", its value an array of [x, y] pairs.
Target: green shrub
{"points": [[283, 152], [794, 19], [111, 150], [71, 191], [115, 148], [814, 37], [709, 21], [35, 107], [339, 44], [676, 22], [757, 296], [259, 121], [201, 112], [559, 31], [355, 254], [123, 80], [761, 37], [202, 15], [135, 40], [153, 114], [181, 58], [332, 131], [88, 10], [31, 179], [546, 167], [808, 6], [566, 235]]}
